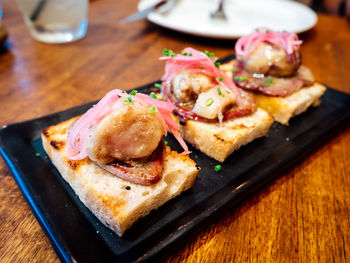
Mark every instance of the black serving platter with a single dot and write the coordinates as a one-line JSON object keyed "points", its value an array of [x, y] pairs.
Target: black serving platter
{"points": [[78, 236]]}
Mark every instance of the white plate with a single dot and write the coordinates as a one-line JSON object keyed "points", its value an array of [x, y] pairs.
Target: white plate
{"points": [[244, 16]]}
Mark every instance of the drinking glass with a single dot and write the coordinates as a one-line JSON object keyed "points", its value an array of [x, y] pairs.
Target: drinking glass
{"points": [[3, 31], [55, 21]]}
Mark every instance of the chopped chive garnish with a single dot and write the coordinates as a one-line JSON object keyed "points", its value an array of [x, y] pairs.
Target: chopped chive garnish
{"points": [[220, 93], [158, 85], [217, 64], [238, 78], [37, 154], [133, 92], [190, 54], [184, 53], [268, 81], [220, 79], [217, 168], [153, 95], [152, 110], [166, 143], [127, 101], [123, 91], [168, 52], [228, 92], [209, 54], [201, 67], [209, 102]]}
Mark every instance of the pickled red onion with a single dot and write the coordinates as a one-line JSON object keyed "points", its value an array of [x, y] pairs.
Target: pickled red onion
{"points": [[79, 133], [201, 63], [287, 40]]}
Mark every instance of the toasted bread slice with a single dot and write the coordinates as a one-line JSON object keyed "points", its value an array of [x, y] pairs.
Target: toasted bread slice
{"points": [[282, 109], [219, 142], [115, 202]]}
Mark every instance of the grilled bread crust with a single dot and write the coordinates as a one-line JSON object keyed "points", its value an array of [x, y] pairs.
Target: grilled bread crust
{"points": [[283, 109], [115, 202], [219, 142]]}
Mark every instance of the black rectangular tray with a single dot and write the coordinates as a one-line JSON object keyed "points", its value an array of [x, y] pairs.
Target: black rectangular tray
{"points": [[77, 235]]}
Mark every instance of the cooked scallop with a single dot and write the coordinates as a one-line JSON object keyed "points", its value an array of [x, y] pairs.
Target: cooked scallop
{"points": [[129, 132], [188, 85], [213, 101], [271, 60]]}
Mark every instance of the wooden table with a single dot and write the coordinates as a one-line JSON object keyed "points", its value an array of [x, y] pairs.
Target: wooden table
{"points": [[303, 215]]}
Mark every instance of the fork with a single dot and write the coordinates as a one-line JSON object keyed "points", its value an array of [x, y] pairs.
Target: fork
{"points": [[219, 13]]}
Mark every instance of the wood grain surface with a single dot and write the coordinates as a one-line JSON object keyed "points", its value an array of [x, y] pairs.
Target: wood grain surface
{"points": [[302, 216]]}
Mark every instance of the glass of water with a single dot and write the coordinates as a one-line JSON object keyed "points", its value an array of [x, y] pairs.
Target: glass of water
{"points": [[55, 21]]}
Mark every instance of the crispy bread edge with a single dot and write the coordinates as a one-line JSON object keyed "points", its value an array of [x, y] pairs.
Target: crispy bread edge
{"points": [[219, 143], [283, 109], [179, 169]]}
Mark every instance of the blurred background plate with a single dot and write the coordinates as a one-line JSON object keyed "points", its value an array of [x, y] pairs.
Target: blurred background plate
{"points": [[243, 16]]}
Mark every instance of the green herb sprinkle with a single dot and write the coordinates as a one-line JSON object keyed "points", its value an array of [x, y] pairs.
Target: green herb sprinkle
{"points": [[209, 54], [152, 110], [217, 168], [217, 64], [209, 102], [268, 81], [158, 85], [153, 95], [168, 52], [238, 78], [220, 93], [127, 101]]}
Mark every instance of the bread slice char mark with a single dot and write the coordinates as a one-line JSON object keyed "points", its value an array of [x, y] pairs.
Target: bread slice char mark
{"points": [[115, 202], [219, 142], [282, 109]]}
